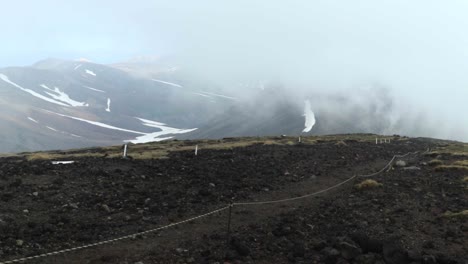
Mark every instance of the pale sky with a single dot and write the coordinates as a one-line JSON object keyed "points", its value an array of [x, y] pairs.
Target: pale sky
{"points": [[419, 48]]}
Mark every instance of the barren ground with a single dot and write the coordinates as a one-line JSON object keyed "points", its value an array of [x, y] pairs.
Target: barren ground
{"points": [[411, 218]]}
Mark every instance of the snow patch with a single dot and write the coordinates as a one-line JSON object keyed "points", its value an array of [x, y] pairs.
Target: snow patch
{"points": [[219, 95], [145, 137], [168, 83], [204, 95], [40, 96], [309, 117], [61, 96], [156, 136], [97, 123], [94, 89], [90, 72], [32, 119], [63, 162], [46, 87], [78, 66], [108, 105], [51, 128]]}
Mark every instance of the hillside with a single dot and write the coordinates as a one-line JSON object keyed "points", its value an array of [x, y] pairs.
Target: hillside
{"points": [[414, 212], [58, 104]]}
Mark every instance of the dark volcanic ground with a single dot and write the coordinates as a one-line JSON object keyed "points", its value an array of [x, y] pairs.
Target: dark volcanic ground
{"points": [[45, 207]]}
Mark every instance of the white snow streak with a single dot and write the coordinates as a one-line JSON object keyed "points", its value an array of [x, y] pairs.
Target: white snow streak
{"points": [[108, 105], [220, 95], [51, 128], [90, 72], [46, 87], [145, 137], [97, 123], [204, 95], [61, 96], [32, 119], [156, 136], [168, 83], [78, 66], [63, 162], [309, 117], [7, 80], [94, 89]]}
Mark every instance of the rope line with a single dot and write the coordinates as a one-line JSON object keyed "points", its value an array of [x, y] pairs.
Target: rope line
{"points": [[388, 165], [113, 240], [207, 214], [329, 188], [296, 198]]}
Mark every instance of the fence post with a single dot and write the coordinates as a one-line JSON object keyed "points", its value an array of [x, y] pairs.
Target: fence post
{"points": [[299, 139], [196, 150], [376, 142], [125, 151], [228, 235]]}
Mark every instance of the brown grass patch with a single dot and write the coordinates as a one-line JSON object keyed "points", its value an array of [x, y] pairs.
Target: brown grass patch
{"points": [[461, 163], [341, 143], [367, 184], [462, 214], [435, 162], [451, 168]]}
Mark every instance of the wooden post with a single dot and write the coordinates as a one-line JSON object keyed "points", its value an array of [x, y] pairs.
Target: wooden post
{"points": [[228, 235], [125, 151]]}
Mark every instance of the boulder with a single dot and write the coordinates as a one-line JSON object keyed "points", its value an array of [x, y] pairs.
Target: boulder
{"points": [[394, 254], [400, 163], [349, 250]]}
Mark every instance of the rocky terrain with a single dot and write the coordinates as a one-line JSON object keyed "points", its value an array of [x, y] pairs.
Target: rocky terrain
{"points": [[414, 212]]}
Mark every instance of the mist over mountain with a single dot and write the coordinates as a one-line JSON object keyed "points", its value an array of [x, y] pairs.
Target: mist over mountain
{"points": [[56, 104]]}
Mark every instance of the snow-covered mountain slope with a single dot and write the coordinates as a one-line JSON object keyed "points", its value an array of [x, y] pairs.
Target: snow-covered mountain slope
{"points": [[61, 104], [58, 104]]}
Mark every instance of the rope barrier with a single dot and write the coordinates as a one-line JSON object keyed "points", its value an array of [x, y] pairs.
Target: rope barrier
{"points": [[207, 214], [296, 198], [113, 240], [388, 165]]}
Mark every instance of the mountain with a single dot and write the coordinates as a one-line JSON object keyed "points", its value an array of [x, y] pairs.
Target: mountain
{"points": [[56, 104]]}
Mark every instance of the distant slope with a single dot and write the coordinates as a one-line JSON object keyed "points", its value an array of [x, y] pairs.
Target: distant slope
{"points": [[62, 104]]}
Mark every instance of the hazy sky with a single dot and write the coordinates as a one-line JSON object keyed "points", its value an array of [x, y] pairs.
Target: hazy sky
{"points": [[417, 48]]}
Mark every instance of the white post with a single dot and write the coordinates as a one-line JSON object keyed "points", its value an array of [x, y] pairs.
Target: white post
{"points": [[196, 150], [299, 139], [388, 141], [125, 151], [376, 142]]}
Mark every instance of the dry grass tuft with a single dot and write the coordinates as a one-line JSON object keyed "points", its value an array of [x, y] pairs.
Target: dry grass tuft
{"points": [[367, 184], [451, 168], [462, 214], [461, 163], [341, 143], [435, 162], [465, 179]]}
